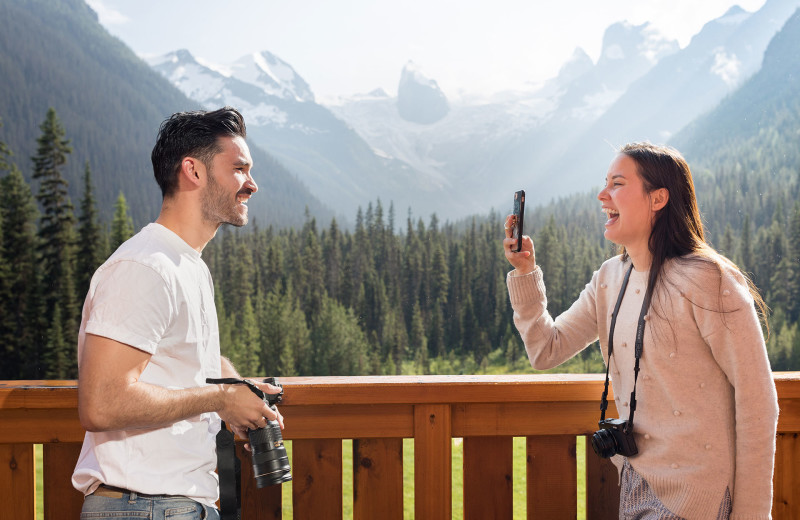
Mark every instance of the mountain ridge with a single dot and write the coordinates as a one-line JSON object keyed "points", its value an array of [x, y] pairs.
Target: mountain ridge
{"points": [[111, 104]]}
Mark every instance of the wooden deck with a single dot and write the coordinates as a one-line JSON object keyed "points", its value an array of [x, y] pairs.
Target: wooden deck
{"points": [[378, 413]]}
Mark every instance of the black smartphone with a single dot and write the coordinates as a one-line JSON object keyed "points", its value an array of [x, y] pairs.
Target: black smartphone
{"points": [[519, 217]]}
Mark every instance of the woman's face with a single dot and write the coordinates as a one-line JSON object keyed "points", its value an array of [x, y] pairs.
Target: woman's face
{"points": [[628, 206]]}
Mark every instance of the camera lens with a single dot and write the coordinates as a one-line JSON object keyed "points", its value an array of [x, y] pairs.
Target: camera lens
{"points": [[604, 444], [270, 461]]}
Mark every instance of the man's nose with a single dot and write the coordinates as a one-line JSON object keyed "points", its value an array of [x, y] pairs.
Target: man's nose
{"points": [[251, 183]]}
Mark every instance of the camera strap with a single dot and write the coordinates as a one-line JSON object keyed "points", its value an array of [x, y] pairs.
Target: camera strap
{"points": [[229, 467], [639, 346]]}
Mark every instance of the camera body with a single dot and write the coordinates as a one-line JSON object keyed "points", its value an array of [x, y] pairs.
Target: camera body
{"points": [[614, 437], [270, 461]]}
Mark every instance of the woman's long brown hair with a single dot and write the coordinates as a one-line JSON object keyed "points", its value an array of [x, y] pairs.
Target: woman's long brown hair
{"points": [[677, 227]]}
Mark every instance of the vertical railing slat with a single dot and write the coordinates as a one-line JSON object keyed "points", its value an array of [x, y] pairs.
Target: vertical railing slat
{"points": [[552, 477], [488, 478], [257, 504], [317, 478], [602, 487], [61, 500], [16, 480], [432, 462], [785, 495], [378, 479]]}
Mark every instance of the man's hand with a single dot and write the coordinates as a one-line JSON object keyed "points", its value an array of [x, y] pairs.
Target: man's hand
{"points": [[243, 409]]}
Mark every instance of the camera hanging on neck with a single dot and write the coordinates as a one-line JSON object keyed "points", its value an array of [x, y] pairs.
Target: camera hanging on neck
{"points": [[615, 436]]}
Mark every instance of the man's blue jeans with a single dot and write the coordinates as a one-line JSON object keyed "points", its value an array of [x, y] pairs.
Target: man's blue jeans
{"points": [[130, 506]]}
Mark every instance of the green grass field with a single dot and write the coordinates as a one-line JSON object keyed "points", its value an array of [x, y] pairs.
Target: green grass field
{"points": [[520, 506]]}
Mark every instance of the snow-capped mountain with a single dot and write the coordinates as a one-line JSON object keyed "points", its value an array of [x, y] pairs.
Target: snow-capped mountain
{"points": [[455, 157], [560, 137], [473, 149], [419, 98], [283, 118], [679, 88], [273, 75], [628, 52]]}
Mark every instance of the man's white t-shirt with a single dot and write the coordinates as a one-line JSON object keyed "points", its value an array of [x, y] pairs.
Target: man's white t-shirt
{"points": [[155, 294]]}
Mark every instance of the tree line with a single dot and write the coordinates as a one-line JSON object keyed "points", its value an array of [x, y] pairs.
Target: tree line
{"points": [[47, 258], [390, 296]]}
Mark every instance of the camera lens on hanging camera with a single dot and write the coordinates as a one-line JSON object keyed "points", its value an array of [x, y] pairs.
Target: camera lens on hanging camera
{"points": [[270, 461], [614, 438]]}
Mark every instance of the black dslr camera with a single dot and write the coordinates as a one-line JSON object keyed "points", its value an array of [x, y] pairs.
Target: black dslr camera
{"points": [[614, 437], [270, 461]]}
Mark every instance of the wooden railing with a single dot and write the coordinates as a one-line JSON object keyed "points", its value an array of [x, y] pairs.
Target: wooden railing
{"points": [[378, 413]]}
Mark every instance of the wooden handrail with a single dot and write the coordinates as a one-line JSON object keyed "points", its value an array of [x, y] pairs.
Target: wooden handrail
{"points": [[378, 412]]}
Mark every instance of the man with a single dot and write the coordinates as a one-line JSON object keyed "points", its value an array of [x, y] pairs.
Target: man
{"points": [[149, 337]]}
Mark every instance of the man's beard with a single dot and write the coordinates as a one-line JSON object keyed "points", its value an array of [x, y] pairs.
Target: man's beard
{"points": [[218, 207]]}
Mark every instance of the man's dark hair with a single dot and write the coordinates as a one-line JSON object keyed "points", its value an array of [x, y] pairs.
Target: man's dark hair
{"points": [[191, 134]]}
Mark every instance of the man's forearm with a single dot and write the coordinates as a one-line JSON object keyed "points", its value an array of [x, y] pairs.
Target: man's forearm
{"points": [[143, 405]]}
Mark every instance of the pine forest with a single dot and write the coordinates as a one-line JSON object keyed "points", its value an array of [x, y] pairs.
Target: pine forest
{"points": [[397, 294]]}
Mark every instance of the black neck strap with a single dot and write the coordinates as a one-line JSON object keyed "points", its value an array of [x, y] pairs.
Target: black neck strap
{"points": [[229, 467], [639, 347]]}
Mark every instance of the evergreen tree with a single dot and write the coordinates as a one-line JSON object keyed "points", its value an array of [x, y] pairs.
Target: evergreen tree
{"points": [[5, 154], [793, 259], [20, 309], [285, 339], [314, 265], [339, 344], [550, 259], [57, 246], [122, 224], [11, 355], [332, 253], [241, 324], [91, 250], [418, 341], [727, 248], [245, 340], [746, 246], [58, 355]]}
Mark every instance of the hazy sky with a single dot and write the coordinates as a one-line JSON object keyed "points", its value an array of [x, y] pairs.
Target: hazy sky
{"points": [[344, 47]]}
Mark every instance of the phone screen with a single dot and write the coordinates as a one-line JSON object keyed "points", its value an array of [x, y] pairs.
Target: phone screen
{"points": [[519, 218]]}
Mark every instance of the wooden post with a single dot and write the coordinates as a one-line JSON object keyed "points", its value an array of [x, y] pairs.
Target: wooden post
{"points": [[257, 504], [61, 500], [552, 477], [433, 487], [378, 479], [317, 478], [17, 494], [488, 478], [785, 495], [602, 487]]}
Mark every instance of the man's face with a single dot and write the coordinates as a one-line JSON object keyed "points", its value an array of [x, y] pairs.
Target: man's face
{"points": [[229, 184]]}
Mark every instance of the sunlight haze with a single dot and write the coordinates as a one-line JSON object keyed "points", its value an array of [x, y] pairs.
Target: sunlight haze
{"points": [[470, 47]]}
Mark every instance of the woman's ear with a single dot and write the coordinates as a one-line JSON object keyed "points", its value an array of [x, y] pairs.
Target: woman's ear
{"points": [[659, 198]]}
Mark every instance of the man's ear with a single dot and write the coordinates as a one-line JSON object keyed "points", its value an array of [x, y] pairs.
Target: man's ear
{"points": [[659, 198], [192, 170]]}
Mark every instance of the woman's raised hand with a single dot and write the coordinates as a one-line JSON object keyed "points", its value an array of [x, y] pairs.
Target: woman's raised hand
{"points": [[524, 261]]}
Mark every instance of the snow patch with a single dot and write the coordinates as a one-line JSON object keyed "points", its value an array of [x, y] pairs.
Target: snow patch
{"points": [[727, 66]]}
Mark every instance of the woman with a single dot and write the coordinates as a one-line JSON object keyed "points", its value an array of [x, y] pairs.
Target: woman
{"points": [[705, 401]]}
